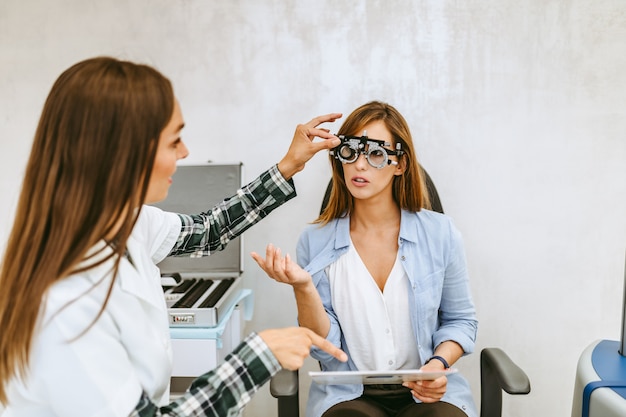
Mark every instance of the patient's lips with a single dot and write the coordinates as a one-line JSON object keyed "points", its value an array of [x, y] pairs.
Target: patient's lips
{"points": [[359, 181]]}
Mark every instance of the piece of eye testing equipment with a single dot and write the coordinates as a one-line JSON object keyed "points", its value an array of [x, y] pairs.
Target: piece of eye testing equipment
{"points": [[351, 147], [600, 385], [206, 302]]}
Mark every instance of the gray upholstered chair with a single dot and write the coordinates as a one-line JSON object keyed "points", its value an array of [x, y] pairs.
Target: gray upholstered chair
{"points": [[497, 371]]}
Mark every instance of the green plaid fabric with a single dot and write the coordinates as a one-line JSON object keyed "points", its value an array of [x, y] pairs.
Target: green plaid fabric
{"points": [[225, 390], [207, 232]]}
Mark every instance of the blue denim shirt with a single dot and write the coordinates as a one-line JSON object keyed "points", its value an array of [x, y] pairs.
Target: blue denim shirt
{"points": [[440, 302]]}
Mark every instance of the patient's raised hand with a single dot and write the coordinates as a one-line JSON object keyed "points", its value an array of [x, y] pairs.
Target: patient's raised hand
{"points": [[282, 269]]}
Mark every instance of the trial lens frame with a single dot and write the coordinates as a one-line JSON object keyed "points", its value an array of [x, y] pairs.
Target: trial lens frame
{"points": [[352, 146]]}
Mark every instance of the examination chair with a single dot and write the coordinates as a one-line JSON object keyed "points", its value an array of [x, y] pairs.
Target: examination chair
{"points": [[497, 371]]}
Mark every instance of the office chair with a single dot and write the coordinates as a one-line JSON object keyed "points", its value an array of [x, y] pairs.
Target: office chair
{"points": [[497, 371]]}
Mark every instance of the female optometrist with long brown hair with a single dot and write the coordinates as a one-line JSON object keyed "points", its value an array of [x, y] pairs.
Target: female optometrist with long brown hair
{"points": [[83, 317]]}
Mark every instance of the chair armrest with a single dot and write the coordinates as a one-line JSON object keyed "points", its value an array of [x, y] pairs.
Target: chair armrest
{"points": [[499, 373], [503, 371], [284, 383]]}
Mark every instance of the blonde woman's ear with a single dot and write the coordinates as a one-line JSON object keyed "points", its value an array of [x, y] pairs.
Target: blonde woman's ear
{"points": [[401, 167]]}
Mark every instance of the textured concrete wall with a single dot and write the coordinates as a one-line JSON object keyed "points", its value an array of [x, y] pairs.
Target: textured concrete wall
{"points": [[517, 109]]}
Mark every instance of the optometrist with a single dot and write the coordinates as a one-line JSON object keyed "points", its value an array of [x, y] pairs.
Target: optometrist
{"points": [[84, 321]]}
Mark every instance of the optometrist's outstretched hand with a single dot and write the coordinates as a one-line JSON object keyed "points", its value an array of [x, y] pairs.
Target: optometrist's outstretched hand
{"points": [[292, 345], [303, 146]]}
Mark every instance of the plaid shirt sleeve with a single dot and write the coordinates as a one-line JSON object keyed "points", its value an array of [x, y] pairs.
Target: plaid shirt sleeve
{"points": [[207, 232], [225, 390]]}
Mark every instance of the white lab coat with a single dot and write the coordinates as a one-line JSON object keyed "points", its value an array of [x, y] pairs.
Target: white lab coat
{"points": [[126, 351]]}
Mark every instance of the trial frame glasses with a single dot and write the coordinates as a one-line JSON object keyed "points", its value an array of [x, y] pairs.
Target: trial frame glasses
{"points": [[351, 147]]}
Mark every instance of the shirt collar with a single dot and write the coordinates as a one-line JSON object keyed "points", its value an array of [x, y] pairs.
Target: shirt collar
{"points": [[408, 231]]}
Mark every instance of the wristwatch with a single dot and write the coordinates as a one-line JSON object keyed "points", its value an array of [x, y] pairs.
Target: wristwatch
{"points": [[441, 359]]}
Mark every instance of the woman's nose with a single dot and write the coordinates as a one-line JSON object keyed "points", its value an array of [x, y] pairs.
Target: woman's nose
{"points": [[361, 161], [182, 151]]}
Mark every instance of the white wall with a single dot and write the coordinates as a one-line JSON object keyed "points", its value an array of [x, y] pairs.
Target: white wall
{"points": [[517, 109]]}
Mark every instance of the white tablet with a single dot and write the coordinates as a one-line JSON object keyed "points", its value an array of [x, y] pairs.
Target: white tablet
{"points": [[376, 377]]}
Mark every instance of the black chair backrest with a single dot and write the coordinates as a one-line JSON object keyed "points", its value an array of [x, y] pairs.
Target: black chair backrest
{"points": [[430, 186]]}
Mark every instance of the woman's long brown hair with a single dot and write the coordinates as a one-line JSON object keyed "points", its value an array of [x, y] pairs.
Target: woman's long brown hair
{"points": [[85, 181], [409, 189]]}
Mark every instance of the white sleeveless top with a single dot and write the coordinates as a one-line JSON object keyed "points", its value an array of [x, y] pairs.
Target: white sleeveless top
{"points": [[376, 324]]}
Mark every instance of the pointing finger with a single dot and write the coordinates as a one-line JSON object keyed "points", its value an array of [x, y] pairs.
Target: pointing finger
{"points": [[328, 347]]}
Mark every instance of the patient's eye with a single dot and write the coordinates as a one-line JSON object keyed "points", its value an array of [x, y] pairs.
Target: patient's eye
{"points": [[377, 156]]}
